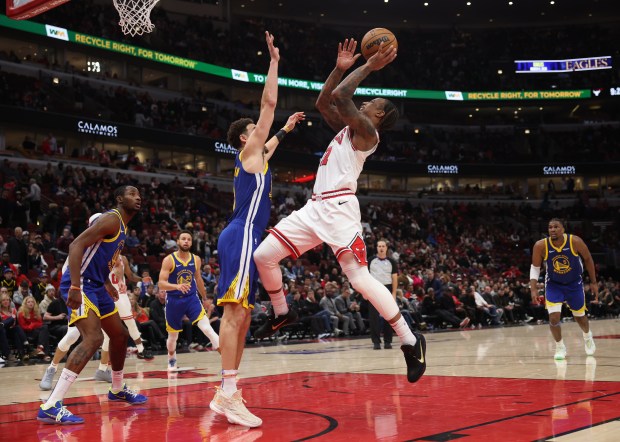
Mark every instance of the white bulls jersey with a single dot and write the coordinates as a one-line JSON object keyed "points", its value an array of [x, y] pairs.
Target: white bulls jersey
{"points": [[341, 164]]}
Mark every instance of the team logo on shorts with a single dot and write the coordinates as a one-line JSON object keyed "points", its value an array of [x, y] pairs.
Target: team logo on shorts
{"points": [[184, 277], [561, 265]]}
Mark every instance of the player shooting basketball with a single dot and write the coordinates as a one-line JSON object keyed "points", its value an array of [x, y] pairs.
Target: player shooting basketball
{"points": [[333, 214]]}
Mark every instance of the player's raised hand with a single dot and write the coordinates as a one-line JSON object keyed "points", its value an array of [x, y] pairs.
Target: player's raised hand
{"points": [[346, 54], [383, 57], [274, 52], [293, 120]]}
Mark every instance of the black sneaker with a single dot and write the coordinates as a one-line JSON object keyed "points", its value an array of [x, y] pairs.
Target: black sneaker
{"points": [[376, 347], [146, 355], [415, 356], [274, 323]]}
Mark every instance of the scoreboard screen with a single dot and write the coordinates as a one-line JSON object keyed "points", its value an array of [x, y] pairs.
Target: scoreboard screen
{"points": [[571, 65]]}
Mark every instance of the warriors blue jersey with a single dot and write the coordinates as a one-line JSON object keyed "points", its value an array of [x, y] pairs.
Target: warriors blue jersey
{"points": [[563, 264], [99, 259], [252, 196], [182, 273]]}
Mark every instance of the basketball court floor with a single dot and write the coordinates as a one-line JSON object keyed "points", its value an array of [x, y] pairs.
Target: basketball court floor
{"points": [[491, 385]]}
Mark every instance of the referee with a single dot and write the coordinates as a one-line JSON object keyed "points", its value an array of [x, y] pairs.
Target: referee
{"points": [[384, 270]]}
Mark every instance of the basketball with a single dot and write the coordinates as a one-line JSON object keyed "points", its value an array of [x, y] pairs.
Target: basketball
{"points": [[374, 37]]}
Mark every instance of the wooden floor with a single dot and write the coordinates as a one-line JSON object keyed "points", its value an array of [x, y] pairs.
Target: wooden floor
{"points": [[495, 384]]}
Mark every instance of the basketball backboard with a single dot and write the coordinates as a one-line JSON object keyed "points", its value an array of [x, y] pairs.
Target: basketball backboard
{"points": [[23, 9]]}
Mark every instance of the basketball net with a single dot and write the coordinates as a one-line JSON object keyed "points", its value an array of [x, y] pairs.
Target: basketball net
{"points": [[135, 16]]}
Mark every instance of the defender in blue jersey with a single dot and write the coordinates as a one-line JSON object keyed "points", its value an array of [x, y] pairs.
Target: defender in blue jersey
{"points": [[86, 288], [564, 256], [237, 242], [185, 292]]}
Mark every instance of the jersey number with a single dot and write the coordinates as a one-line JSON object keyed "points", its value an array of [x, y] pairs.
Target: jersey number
{"points": [[325, 156]]}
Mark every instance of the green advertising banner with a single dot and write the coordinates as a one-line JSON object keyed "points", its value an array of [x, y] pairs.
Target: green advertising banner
{"points": [[249, 77]]}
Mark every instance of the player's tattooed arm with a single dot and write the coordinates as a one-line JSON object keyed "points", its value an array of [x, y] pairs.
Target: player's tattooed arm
{"points": [[324, 103], [343, 97]]}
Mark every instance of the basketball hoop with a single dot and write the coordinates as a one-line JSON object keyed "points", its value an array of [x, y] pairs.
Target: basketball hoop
{"points": [[135, 16]]}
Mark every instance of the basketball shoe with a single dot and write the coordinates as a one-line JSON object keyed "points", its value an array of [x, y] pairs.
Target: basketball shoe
{"points": [[126, 395], [236, 411], [48, 378], [219, 401], [58, 414], [147, 355], [589, 343], [103, 375], [560, 352], [274, 323], [415, 356]]}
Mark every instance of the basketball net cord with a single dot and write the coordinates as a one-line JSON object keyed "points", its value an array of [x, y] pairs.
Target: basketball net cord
{"points": [[135, 16]]}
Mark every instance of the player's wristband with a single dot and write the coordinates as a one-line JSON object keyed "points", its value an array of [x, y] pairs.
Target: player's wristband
{"points": [[281, 134], [75, 287]]}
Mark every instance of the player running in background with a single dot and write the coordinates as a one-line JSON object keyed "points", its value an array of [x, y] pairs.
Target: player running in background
{"points": [[564, 256]]}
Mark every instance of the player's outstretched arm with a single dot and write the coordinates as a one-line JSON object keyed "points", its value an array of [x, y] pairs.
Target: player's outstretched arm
{"points": [[274, 141], [325, 103], [256, 141], [364, 132]]}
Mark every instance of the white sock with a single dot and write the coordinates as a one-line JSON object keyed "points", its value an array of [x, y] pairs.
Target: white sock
{"points": [[117, 381], [587, 335], [404, 332], [54, 366], [560, 343], [140, 347], [103, 367], [206, 328], [229, 382], [66, 379]]}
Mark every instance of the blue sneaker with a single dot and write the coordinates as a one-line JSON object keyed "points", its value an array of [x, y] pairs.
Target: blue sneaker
{"points": [[58, 414], [127, 395]]}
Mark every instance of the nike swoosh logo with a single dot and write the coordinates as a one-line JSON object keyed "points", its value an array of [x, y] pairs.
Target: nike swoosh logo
{"points": [[275, 327], [340, 203], [421, 361]]}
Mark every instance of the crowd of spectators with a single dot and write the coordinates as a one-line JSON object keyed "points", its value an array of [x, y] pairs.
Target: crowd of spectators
{"points": [[440, 59], [460, 264], [196, 116]]}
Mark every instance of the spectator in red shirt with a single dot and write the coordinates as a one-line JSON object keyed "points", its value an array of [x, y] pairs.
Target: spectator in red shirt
{"points": [[8, 316], [30, 320]]}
